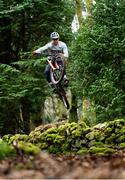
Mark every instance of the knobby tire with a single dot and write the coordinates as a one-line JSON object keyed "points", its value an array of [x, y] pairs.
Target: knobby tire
{"points": [[58, 74]]}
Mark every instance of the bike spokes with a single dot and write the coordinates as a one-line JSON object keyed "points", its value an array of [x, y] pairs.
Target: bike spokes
{"points": [[57, 74]]}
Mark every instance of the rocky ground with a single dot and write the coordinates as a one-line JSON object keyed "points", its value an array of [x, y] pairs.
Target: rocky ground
{"points": [[51, 166]]}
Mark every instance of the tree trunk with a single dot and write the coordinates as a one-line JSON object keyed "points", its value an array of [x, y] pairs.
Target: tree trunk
{"points": [[79, 11], [73, 111], [89, 4], [25, 114], [5, 40]]}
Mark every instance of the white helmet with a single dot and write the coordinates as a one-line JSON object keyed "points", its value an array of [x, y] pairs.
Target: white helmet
{"points": [[54, 35]]}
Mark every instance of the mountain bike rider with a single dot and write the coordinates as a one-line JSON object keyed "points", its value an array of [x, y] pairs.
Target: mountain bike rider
{"points": [[54, 47]]}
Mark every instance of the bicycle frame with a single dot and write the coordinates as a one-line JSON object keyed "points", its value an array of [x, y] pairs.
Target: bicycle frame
{"points": [[58, 82]]}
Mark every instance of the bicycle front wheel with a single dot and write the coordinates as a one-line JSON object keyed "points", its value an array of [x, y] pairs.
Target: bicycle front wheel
{"points": [[57, 74]]}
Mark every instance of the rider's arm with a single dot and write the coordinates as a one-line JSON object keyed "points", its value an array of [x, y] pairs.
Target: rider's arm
{"points": [[41, 50], [65, 51]]}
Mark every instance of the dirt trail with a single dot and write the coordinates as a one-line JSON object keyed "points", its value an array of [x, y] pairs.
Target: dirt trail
{"points": [[47, 166]]}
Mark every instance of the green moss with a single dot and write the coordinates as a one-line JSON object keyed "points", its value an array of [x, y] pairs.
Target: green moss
{"points": [[76, 144], [17, 138], [116, 123], [43, 145], [51, 137], [76, 133], [54, 149], [102, 150], [28, 148], [98, 144], [66, 129], [7, 137], [73, 126], [111, 139], [122, 145], [86, 131], [121, 139], [95, 134], [119, 122], [83, 125], [52, 130], [109, 130], [122, 131], [82, 151], [90, 136], [66, 147], [59, 139], [99, 136], [34, 137], [55, 138]]}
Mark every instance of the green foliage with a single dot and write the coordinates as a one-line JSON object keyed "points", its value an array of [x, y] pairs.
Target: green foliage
{"points": [[1, 4], [26, 25], [33, 21], [98, 59], [27, 81], [6, 150]]}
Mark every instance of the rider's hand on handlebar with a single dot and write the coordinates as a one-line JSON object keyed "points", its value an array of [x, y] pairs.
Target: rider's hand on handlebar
{"points": [[35, 54]]}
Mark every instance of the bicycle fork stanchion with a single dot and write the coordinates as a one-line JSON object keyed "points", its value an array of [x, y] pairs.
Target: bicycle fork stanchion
{"points": [[50, 63]]}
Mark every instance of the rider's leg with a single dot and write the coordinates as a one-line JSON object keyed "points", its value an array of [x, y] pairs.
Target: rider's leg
{"points": [[66, 81], [47, 73]]}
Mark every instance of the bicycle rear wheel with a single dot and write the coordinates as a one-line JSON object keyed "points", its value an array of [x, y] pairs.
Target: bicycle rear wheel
{"points": [[58, 74]]}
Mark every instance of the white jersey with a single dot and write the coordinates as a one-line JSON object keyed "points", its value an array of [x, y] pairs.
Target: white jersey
{"points": [[61, 47]]}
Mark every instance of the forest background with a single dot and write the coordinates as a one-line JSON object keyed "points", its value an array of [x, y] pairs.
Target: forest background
{"points": [[96, 65]]}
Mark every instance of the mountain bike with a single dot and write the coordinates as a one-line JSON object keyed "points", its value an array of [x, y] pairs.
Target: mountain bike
{"points": [[57, 72]]}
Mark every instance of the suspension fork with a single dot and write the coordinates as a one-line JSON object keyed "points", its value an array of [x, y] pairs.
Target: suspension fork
{"points": [[56, 65], [50, 63]]}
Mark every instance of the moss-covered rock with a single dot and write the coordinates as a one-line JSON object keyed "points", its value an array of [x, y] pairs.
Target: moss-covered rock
{"points": [[53, 149], [7, 137], [28, 148], [18, 137], [73, 138], [121, 139], [122, 130], [82, 151], [101, 150], [111, 139], [122, 145]]}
